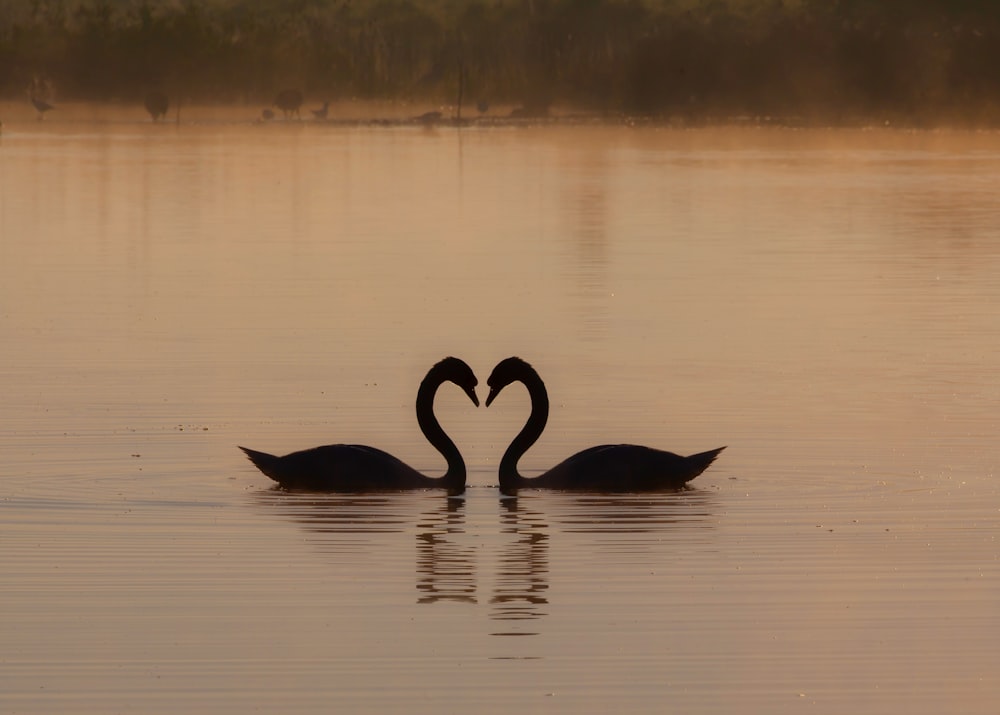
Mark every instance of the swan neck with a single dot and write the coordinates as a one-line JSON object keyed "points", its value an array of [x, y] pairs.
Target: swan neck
{"points": [[433, 431], [529, 434]]}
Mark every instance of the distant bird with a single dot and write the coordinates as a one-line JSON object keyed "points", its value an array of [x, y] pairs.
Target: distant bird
{"points": [[483, 106], [605, 468], [429, 117], [266, 115], [41, 105], [39, 91], [322, 111], [156, 104], [289, 101]]}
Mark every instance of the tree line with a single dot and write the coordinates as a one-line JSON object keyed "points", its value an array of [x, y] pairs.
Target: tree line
{"points": [[825, 60]]}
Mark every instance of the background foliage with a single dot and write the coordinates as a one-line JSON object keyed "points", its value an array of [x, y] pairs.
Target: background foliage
{"points": [[835, 60]]}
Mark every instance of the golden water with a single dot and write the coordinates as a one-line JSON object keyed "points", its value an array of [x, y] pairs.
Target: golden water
{"points": [[825, 303]]}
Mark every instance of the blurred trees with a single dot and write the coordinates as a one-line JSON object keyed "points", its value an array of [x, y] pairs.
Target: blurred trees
{"points": [[832, 60]]}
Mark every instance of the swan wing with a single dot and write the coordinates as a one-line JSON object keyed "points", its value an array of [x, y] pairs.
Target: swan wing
{"points": [[337, 467], [626, 468]]}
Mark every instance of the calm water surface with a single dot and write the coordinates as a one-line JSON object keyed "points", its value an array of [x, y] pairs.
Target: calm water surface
{"points": [[825, 303]]}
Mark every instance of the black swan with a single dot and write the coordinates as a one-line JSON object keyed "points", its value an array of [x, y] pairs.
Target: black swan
{"points": [[605, 468], [358, 468]]}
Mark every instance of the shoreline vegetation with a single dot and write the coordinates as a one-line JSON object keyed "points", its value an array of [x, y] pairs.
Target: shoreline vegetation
{"points": [[908, 62]]}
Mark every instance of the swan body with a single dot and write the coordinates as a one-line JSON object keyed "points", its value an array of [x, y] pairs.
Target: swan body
{"points": [[359, 468], [607, 467]]}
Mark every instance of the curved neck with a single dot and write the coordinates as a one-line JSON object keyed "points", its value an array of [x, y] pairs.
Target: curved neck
{"points": [[454, 478], [529, 434]]}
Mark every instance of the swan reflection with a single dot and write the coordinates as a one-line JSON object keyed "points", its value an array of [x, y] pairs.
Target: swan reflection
{"points": [[445, 565], [468, 548], [522, 583], [633, 513], [332, 513], [352, 524]]}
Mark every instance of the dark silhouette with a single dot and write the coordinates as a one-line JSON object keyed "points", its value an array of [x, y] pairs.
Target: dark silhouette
{"points": [[358, 468], [446, 555], [605, 468], [520, 592], [808, 62], [428, 117], [323, 111], [266, 115], [40, 92], [42, 106], [289, 101], [156, 104]]}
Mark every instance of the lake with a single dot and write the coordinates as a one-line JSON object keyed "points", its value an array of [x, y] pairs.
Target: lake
{"points": [[825, 303]]}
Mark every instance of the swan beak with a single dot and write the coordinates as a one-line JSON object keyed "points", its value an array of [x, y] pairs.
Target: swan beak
{"points": [[493, 393], [471, 392]]}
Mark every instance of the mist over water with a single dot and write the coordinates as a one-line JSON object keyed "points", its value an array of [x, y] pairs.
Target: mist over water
{"points": [[821, 301]]}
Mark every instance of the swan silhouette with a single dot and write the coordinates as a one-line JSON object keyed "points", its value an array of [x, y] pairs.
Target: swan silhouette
{"points": [[605, 468], [358, 468]]}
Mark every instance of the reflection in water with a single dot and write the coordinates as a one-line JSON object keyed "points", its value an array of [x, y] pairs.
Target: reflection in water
{"points": [[824, 299], [587, 210], [635, 513], [445, 568], [447, 548], [522, 581], [337, 513], [345, 523]]}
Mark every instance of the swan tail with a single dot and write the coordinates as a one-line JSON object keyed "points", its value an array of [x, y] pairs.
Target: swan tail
{"points": [[701, 461], [267, 463]]}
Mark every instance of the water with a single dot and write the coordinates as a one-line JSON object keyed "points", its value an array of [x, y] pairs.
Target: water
{"points": [[822, 302]]}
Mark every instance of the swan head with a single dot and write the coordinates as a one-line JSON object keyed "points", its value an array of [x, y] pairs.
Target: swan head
{"points": [[507, 371], [457, 371]]}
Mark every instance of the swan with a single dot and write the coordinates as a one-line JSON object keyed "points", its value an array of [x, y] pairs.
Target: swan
{"points": [[358, 468], [607, 467]]}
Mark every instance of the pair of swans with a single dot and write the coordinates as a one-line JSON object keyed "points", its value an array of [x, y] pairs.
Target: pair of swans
{"points": [[358, 468]]}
